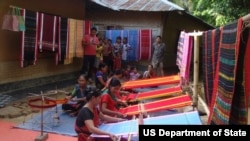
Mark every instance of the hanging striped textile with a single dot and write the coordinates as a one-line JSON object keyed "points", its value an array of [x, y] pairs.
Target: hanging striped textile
{"points": [[180, 49], [145, 44], [80, 31], [247, 70], [87, 27], [63, 38], [71, 41], [210, 44], [225, 77], [186, 57], [48, 32], [49, 35], [28, 54], [239, 111], [133, 40]]}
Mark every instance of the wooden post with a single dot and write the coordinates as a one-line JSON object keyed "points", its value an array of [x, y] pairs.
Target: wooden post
{"points": [[196, 67], [246, 20]]}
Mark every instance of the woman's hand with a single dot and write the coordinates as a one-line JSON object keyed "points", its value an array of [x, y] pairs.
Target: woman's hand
{"points": [[113, 137]]}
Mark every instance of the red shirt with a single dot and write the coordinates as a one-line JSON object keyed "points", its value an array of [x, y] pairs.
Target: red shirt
{"points": [[90, 49], [106, 98], [117, 63]]}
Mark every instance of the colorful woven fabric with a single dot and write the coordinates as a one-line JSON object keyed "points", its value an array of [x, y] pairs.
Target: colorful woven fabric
{"points": [[79, 36], [145, 44], [153, 94], [63, 38], [239, 111], [142, 83], [48, 36], [225, 77], [247, 70], [210, 44], [180, 49], [186, 57], [28, 55], [154, 106], [71, 41], [133, 40]]}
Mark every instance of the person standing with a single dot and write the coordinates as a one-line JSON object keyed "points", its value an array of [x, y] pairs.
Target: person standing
{"points": [[89, 43], [108, 54], [125, 49], [158, 52]]}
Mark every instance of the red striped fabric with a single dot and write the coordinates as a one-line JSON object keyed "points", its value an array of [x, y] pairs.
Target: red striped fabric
{"points": [[87, 27], [145, 44]]}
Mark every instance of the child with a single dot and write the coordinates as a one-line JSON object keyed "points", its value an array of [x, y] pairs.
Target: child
{"points": [[117, 61], [149, 73], [99, 50], [134, 74], [101, 76], [126, 73]]}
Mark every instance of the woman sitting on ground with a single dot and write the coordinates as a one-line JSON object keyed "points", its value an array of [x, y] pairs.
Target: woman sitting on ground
{"points": [[110, 101], [87, 121], [101, 76], [77, 99], [118, 75]]}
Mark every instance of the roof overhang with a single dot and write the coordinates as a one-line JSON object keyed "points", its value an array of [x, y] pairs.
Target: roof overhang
{"points": [[139, 5]]}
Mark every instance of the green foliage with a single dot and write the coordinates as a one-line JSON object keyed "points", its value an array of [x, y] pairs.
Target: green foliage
{"points": [[216, 12]]}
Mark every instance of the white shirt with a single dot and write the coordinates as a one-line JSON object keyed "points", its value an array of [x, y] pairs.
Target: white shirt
{"points": [[125, 48]]}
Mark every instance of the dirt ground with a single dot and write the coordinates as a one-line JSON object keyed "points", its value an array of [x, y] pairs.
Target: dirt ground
{"points": [[18, 111]]}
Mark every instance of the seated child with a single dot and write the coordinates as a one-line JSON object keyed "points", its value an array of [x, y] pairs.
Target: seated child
{"points": [[149, 73], [134, 74]]}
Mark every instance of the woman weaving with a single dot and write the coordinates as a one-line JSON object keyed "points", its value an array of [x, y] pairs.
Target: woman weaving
{"points": [[87, 121], [111, 100]]}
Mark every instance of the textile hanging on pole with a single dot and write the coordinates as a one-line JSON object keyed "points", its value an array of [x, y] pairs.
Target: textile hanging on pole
{"points": [[71, 41], [225, 77], [80, 32], [210, 47], [133, 40], [145, 44], [184, 55], [28, 53], [63, 41]]}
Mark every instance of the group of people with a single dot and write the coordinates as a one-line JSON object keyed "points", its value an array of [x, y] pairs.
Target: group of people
{"points": [[91, 106], [101, 103], [97, 50]]}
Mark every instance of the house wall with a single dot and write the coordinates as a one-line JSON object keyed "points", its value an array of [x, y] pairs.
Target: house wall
{"points": [[10, 70], [174, 23], [166, 24], [127, 20]]}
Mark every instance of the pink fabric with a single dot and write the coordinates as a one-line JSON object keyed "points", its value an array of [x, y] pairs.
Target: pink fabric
{"points": [[186, 59]]}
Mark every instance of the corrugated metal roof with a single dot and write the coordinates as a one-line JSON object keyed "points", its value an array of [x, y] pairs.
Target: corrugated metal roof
{"points": [[139, 5]]}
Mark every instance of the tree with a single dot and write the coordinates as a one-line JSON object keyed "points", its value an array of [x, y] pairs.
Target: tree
{"points": [[216, 12]]}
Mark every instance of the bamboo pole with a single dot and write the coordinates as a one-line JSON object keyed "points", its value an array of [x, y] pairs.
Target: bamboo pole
{"points": [[246, 17], [196, 67], [246, 20]]}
